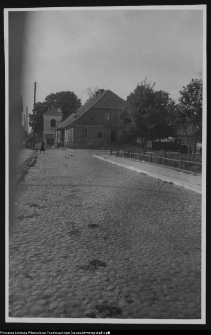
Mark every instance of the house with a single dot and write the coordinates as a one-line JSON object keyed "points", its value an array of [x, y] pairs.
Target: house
{"points": [[92, 125], [51, 120]]}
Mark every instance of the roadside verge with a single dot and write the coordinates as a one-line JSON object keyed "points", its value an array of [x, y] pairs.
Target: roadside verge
{"points": [[180, 178], [23, 168]]}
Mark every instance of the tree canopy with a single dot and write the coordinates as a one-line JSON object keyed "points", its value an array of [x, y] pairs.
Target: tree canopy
{"points": [[146, 114], [186, 116], [66, 101], [92, 92]]}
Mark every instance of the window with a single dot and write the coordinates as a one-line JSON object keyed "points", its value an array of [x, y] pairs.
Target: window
{"points": [[99, 134], [107, 116], [66, 133], [84, 133], [53, 123]]}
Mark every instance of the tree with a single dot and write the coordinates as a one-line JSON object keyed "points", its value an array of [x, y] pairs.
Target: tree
{"points": [[186, 116], [66, 101], [146, 114], [40, 109], [92, 92]]}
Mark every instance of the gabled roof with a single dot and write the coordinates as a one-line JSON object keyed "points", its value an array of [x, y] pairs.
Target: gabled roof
{"points": [[82, 110], [53, 111]]}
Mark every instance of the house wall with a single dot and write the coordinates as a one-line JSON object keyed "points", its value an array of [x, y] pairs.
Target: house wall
{"points": [[97, 116], [92, 140], [47, 129], [96, 121], [68, 137], [47, 121]]}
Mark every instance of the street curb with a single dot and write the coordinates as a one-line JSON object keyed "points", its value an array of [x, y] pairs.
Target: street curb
{"points": [[165, 179], [23, 168]]}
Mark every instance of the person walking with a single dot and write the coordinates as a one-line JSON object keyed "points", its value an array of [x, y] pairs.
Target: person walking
{"points": [[42, 148]]}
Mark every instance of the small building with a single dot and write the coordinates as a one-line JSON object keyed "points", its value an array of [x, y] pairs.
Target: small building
{"points": [[94, 124], [188, 138], [51, 119]]}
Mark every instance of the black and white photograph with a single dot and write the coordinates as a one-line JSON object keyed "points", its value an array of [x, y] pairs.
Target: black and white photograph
{"points": [[106, 164]]}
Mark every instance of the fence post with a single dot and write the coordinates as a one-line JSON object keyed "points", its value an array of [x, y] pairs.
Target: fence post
{"points": [[180, 163], [163, 159], [124, 153], [117, 152], [130, 154], [111, 151], [139, 156], [150, 158]]}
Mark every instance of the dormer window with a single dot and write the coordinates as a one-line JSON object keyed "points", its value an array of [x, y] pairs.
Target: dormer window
{"points": [[53, 123]]}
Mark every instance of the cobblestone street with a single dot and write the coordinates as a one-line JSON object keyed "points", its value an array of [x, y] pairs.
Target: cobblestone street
{"points": [[95, 240]]}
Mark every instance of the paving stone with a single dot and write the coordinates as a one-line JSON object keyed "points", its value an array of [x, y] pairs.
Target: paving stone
{"points": [[147, 240], [36, 309], [77, 314], [52, 305], [31, 299], [42, 302], [155, 314], [18, 314], [110, 288]]}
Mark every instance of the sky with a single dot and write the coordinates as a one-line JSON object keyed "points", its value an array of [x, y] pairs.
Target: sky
{"points": [[73, 49]]}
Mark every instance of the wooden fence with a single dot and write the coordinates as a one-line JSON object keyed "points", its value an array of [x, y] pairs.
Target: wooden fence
{"points": [[161, 160]]}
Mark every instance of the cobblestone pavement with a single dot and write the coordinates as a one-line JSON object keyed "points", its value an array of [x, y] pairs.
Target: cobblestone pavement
{"points": [[99, 241]]}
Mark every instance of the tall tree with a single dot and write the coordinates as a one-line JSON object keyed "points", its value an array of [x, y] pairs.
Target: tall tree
{"points": [[186, 116], [146, 114], [66, 101], [92, 92], [40, 109]]}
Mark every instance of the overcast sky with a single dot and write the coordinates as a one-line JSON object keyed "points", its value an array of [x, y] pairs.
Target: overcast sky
{"points": [[71, 50]]}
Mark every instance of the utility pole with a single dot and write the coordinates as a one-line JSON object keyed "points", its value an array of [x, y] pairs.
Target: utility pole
{"points": [[34, 116]]}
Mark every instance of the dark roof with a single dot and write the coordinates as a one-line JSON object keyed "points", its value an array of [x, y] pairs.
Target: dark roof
{"points": [[82, 110], [53, 111]]}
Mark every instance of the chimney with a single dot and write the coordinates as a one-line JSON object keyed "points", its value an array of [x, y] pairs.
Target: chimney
{"points": [[101, 91]]}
